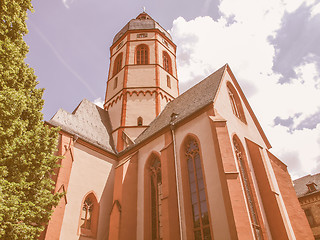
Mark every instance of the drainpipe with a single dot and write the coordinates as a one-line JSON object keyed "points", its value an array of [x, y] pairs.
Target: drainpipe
{"points": [[172, 127]]}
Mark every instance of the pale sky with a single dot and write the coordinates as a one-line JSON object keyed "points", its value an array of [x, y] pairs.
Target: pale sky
{"points": [[272, 47]]}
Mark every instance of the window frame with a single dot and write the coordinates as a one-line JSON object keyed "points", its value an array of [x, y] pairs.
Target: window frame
{"points": [[187, 193], [235, 102], [92, 231], [168, 81], [166, 62], [148, 176], [117, 65], [140, 121], [247, 184], [139, 59]]}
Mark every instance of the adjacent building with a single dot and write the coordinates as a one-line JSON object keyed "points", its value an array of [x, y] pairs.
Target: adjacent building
{"points": [[154, 164], [308, 193]]}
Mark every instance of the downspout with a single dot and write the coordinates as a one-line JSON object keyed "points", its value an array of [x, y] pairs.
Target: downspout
{"points": [[172, 127]]}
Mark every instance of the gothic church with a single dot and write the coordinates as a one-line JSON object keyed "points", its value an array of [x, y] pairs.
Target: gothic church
{"points": [[154, 164]]}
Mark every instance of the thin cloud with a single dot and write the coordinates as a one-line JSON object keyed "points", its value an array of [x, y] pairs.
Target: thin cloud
{"points": [[63, 62], [99, 102], [67, 3]]}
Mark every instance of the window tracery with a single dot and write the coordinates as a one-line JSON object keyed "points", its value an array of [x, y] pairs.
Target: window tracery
{"points": [[201, 225], [156, 195], [89, 216], [247, 188], [235, 103], [86, 214]]}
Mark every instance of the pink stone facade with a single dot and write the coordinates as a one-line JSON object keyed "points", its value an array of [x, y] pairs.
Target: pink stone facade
{"points": [[197, 167]]}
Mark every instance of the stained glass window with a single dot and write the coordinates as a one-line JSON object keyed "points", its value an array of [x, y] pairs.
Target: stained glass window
{"points": [[201, 226], [156, 194], [247, 189]]}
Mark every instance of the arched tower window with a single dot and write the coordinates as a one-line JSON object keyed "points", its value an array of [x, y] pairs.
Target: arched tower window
{"points": [[167, 62], [244, 172], [235, 103], [156, 193], [117, 64], [142, 54], [139, 121], [89, 216], [200, 213]]}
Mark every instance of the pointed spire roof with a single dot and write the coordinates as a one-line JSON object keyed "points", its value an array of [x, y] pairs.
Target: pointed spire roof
{"points": [[141, 22]]}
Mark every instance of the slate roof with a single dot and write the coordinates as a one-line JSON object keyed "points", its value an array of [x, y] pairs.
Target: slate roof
{"points": [[300, 184], [186, 104], [92, 123], [89, 122], [135, 24]]}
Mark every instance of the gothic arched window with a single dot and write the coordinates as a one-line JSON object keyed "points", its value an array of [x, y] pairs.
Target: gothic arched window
{"points": [[156, 193], [86, 214], [235, 103], [167, 62], [142, 54], [89, 216], [244, 172], [117, 64], [200, 213]]}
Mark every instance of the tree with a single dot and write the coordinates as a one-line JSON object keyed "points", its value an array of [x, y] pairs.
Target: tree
{"points": [[26, 144]]}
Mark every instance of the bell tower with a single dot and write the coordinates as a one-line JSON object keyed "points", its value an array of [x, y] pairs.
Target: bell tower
{"points": [[142, 77]]}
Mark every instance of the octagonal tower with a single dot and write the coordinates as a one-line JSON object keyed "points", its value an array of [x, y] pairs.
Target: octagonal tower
{"points": [[142, 77]]}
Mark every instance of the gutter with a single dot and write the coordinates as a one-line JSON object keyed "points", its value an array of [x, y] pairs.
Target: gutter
{"points": [[172, 127]]}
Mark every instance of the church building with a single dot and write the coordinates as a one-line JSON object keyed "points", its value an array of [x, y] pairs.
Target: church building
{"points": [[154, 164]]}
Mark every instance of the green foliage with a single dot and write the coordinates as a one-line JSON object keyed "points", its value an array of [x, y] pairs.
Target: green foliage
{"points": [[26, 144]]}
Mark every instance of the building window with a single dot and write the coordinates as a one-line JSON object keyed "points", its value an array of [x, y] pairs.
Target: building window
{"points": [[235, 103], [168, 81], [310, 218], [89, 216], [86, 214], [156, 194], [115, 83], [117, 64], [167, 62], [142, 54], [247, 188], [311, 186], [139, 121], [201, 225]]}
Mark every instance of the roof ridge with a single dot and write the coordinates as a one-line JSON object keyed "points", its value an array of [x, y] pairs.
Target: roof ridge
{"points": [[201, 82]]}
